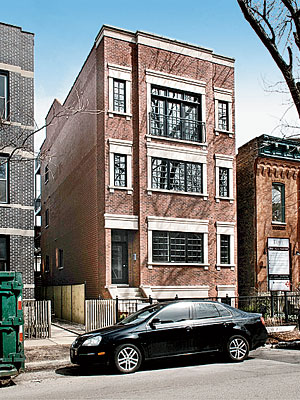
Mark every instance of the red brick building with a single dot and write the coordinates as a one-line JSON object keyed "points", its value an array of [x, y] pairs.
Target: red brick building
{"points": [[268, 215], [138, 193]]}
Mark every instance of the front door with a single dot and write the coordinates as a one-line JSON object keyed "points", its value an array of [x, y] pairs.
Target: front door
{"points": [[119, 257]]}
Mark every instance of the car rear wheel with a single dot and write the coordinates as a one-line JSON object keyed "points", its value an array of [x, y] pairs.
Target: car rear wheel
{"points": [[128, 358], [237, 348]]}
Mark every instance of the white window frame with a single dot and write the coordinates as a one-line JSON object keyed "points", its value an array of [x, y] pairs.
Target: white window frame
{"points": [[123, 147], [176, 153], [5, 94], [224, 161], [225, 228], [169, 81], [177, 225], [5, 161], [226, 96], [124, 74]]}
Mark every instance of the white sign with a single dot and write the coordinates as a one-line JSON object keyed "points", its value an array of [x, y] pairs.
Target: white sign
{"points": [[278, 256], [279, 284]]}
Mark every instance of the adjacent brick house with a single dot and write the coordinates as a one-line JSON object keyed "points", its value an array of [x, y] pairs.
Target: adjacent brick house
{"points": [[268, 215], [16, 167], [138, 193]]}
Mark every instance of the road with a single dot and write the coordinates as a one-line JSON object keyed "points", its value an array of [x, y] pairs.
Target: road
{"points": [[267, 374]]}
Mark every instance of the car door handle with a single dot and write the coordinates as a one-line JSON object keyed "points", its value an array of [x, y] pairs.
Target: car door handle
{"points": [[188, 328]]}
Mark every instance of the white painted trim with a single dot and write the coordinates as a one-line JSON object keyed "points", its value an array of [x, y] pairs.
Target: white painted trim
{"points": [[175, 82], [17, 70], [18, 206], [16, 232], [160, 292], [117, 221], [20, 153], [150, 137], [117, 146]]}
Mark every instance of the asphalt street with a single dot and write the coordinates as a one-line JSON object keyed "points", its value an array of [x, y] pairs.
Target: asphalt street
{"points": [[267, 374]]}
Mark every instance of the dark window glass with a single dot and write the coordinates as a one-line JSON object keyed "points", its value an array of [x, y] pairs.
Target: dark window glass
{"points": [[225, 249], [60, 258], [223, 122], [3, 95], [224, 312], [119, 96], [223, 182], [176, 114], [278, 202], [46, 174], [180, 176], [177, 247], [120, 170], [47, 264], [205, 310], [4, 253], [47, 217], [174, 313], [3, 180]]}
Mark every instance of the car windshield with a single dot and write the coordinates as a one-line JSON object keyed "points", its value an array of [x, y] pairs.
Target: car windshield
{"points": [[141, 315]]}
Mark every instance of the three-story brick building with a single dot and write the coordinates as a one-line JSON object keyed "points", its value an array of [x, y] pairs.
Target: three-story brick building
{"points": [[138, 166], [16, 154]]}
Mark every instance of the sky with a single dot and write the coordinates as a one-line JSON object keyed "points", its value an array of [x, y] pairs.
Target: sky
{"points": [[65, 32]]}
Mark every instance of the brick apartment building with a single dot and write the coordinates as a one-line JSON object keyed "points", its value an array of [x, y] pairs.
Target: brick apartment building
{"points": [[268, 215], [138, 188], [16, 167]]}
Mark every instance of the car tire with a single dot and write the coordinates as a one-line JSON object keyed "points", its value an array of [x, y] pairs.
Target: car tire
{"points": [[237, 348], [127, 358]]}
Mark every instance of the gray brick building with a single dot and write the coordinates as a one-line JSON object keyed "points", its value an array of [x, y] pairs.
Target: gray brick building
{"points": [[16, 154]]}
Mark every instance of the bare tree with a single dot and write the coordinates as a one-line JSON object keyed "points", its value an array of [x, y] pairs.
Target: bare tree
{"points": [[277, 24]]}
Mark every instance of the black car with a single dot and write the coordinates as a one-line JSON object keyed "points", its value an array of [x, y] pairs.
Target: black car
{"points": [[172, 329]]}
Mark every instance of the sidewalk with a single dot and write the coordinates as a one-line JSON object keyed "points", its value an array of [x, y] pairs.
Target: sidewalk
{"points": [[52, 352]]}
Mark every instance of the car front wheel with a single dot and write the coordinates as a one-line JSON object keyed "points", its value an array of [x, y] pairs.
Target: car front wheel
{"points": [[128, 358], [237, 348]]}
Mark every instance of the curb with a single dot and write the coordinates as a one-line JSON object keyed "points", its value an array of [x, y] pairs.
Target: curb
{"points": [[43, 365]]}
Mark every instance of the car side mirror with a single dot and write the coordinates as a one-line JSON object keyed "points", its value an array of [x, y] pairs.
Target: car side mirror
{"points": [[154, 322]]}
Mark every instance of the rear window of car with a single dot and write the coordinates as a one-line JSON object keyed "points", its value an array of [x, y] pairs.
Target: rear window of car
{"points": [[224, 312], [205, 310]]}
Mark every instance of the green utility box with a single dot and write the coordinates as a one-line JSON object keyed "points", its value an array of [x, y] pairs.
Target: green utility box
{"points": [[11, 324]]}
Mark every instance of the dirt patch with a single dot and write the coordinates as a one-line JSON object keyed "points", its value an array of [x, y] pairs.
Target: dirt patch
{"points": [[276, 337], [46, 353]]}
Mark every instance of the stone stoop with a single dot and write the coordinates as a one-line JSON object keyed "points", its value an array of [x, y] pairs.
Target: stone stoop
{"points": [[125, 292]]}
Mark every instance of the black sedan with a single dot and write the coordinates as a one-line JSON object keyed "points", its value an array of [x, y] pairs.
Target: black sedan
{"points": [[172, 329]]}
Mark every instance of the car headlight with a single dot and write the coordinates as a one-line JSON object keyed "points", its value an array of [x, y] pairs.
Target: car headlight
{"points": [[92, 341]]}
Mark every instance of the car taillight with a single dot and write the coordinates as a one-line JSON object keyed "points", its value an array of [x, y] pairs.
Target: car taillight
{"points": [[262, 320]]}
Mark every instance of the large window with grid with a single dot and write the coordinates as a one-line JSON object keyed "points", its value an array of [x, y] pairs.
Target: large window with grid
{"points": [[3, 95], [223, 182], [119, 95], [225, 249], [177, 247], [3, 180], [180, 176], [223, 120], [278, 202], [176, 114]]}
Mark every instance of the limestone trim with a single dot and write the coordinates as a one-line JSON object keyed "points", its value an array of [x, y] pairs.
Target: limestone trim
{"points": [[118, 221], [16, 70], [225, 95], [224, 161], [17, 232], [167, 292], [123, 73], [124, 147]]}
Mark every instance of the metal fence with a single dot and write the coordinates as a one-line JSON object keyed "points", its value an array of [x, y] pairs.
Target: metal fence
{"points": [[37, 319]]}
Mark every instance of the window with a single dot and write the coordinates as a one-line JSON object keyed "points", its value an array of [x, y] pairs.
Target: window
{"points": [[223, 111], [223, 182], [180, 176], [174, 313], [177, 247], [225, 249], [278, 202], [3, 95], [176, 114], [46, 177], [223, 122], [3, 180], [47, 218], [225, 244], [224, 177], [4, 253], [120, 165], [119, 96], [205, 310], [47, 264], [59, 258], [120, 178]]}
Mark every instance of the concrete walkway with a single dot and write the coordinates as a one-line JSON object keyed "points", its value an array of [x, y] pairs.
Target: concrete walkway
{"points": [[59, 336]]}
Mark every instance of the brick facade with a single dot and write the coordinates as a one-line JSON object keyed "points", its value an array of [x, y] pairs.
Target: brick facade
{"points": [[89, 215], [260, 163], [16, 211]]}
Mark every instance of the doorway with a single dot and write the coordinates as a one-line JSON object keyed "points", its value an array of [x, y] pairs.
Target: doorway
{"points": [[119, 257]]}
